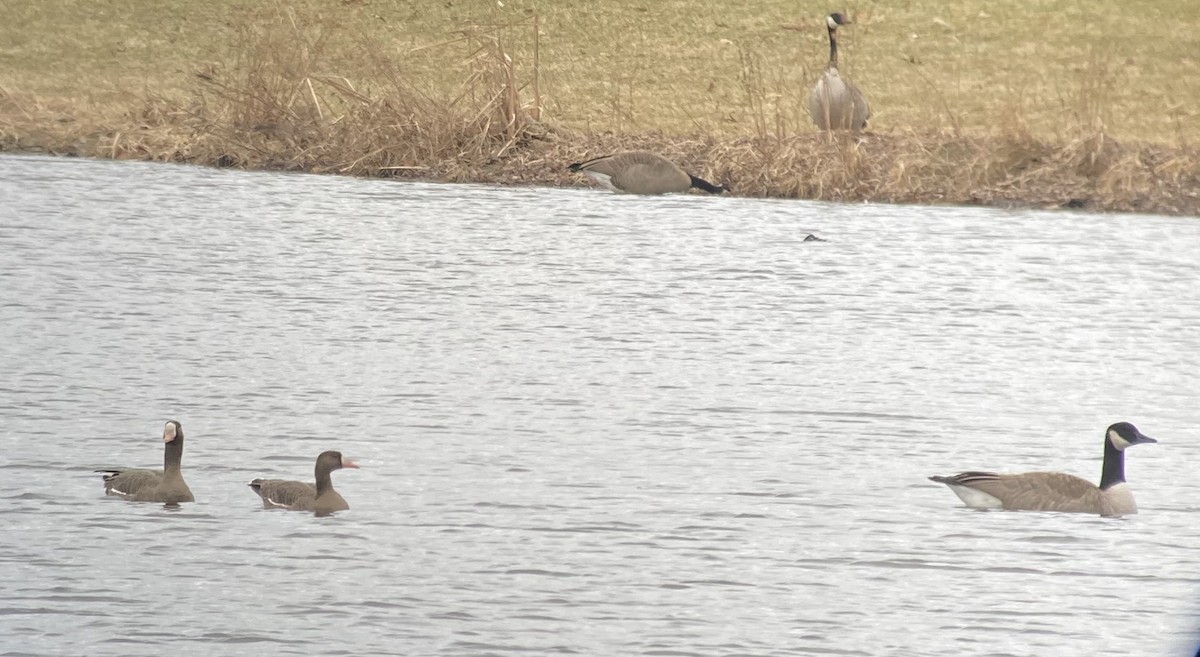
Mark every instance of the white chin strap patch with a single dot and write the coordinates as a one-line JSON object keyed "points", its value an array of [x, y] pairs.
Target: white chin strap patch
{"points": [[1117, 441]]}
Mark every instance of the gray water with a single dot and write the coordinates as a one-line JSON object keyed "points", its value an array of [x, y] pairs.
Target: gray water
{"points": [[588, 424]]}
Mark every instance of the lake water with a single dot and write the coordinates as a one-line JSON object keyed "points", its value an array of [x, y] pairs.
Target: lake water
{"points": [[588, 424]]}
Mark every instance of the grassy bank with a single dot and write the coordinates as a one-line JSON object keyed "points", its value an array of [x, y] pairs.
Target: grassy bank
{"points": [[1036, 102]]}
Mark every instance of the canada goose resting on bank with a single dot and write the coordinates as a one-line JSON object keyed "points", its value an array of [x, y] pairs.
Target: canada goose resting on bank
{"points": [[1056, 491], [166, 486], [639, 172], [835, 102], [321, 498]]}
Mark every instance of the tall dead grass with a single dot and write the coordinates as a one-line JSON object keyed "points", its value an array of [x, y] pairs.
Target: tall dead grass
{"points": [[282, 103]]}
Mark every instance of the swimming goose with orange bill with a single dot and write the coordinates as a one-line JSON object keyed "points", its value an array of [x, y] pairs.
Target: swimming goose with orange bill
{"points": [[141, 485], [319, 498]]}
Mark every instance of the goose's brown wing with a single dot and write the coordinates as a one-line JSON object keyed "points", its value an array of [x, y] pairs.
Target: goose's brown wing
{"points": [[862, 109], [295, 495], [836, 103], [1048, 491], [638, 172], [647, 178], [130, 482], [1033, 491]]}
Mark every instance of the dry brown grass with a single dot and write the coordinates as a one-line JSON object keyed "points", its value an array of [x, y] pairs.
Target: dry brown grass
{"points": [[313, 91], [280, 105]]}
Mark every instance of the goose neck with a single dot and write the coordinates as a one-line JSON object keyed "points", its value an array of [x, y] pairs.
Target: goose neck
{"points": [[1113, 471], [833, 62], [324, 480], [173, 457]]}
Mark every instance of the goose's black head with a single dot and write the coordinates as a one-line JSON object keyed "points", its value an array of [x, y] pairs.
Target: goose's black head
{"points": [[1124, 434], [835, 19]]}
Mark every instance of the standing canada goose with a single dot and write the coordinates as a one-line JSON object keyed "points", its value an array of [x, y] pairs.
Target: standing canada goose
{"points": [[166, 485], [835, 102], [1056, 491], [320, 498], [639, 172]]}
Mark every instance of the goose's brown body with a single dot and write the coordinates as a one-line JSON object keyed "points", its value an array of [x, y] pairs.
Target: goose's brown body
{"points": [[640, 172], [142, 485], [319, 498], [1057, 491], [836, 103], [1046, 491]]}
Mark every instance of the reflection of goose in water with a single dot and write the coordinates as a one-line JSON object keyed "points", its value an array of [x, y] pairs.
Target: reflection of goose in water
{"points": [[1056, 491], [835, 102], [639, 172]]}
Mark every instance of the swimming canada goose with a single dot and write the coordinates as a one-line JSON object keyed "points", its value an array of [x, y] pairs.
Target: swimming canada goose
{"points": [[1056, 491], [639, 172], [166, 485], [300, 496], [835, 103]]}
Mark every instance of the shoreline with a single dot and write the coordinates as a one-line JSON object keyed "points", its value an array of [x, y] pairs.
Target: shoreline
{"points": [[1098, 175], [509, 95]]}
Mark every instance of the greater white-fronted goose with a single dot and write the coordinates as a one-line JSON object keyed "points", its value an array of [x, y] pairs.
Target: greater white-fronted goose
{"points": [[320, 498], [835, 102], [1057, 491], [639, 172], [166, 486]]}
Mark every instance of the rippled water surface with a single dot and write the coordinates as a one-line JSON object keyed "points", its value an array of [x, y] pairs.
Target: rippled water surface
{"points": [[588, 424]]}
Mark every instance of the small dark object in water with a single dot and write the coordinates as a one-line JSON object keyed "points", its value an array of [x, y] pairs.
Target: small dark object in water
{"points": [[813, 238]]}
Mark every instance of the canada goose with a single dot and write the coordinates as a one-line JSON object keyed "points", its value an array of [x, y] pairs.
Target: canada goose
{"points": [[300, 496], [835, 102], [1056, 491], [639, 172], [166, 485]]}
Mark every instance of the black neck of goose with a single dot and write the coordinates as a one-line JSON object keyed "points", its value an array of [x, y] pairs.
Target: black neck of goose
{"points": [[324, 481], [173, 456], [1114, 466], [833, 47], [700, 183]]}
